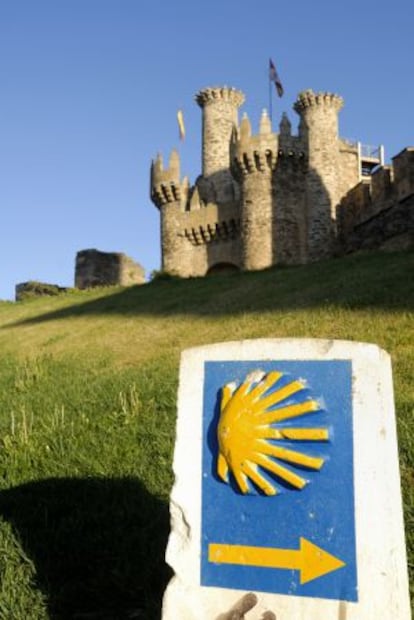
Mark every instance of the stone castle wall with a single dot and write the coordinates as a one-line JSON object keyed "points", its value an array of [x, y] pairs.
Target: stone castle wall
{"points": [[389, 229], [379, 212], [270, 198], [95, 268]]}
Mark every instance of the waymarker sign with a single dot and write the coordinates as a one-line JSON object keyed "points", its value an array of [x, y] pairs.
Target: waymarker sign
{"points": [[287, 483]]}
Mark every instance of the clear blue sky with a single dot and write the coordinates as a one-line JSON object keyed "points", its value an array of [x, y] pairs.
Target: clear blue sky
{"points": [[90, 90]]}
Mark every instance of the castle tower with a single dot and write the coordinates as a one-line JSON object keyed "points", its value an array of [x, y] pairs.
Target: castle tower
{"points": [[319, 131], [220, 116], [254, 158], [289, 198], [169, 194], [268, 198]]}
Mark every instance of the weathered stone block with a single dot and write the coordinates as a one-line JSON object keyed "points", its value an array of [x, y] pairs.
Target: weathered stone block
{"points": [[32, 288], [95, 268]]}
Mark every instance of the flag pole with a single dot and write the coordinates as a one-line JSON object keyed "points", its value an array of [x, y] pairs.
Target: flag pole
{"points": [[270, 100]]}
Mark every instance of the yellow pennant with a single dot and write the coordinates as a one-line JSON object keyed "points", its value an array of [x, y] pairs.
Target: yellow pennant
{"points": [[181, 127]]}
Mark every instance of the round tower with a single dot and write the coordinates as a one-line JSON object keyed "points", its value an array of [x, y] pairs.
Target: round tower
{"points": [[168, 193], [319, 130], [220, 116], [254, 159]]}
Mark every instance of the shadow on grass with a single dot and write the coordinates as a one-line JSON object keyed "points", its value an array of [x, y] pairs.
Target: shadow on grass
{"points": [[376, 280], [97, 545]]}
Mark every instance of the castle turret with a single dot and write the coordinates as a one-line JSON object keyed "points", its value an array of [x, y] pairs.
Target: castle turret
{"points": [[319, 131], [169, 194], [220, 116], [285, 126], [254, 158]]}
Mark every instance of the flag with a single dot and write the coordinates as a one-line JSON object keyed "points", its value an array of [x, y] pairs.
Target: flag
{"points": [[273, 77], [181, 128]]}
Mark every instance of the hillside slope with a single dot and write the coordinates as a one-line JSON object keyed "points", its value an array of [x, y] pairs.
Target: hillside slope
{"points": [[88, 386]]}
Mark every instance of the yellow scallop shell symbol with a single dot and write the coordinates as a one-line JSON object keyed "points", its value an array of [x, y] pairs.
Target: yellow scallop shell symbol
{"points": [[248, 426]]}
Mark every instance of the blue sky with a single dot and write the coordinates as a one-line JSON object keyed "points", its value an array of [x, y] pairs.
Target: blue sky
{"points": [[90, 91]]}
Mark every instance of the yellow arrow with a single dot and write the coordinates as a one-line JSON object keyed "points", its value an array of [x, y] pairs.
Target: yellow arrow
{"points": [[310, 560]]}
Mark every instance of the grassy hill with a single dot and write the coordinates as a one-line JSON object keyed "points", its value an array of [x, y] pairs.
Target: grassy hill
{"points": [[87, 412]]}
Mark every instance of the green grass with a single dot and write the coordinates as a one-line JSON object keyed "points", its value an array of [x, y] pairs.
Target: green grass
{"points": [[85, 471], [88, 386]]}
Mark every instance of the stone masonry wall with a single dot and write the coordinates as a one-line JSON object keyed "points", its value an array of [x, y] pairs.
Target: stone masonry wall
{"points": [[289, 203], [403, 166], [199, 238], [379, 211], [348, 167], [389, 229], [175, 253], [95, 268], [256, 220]]}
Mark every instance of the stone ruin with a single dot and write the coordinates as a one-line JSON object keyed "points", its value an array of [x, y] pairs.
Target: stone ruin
{"points": [[95, 268]]}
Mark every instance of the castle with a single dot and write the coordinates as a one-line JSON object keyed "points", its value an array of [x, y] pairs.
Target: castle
{"points": [[278, 198]]}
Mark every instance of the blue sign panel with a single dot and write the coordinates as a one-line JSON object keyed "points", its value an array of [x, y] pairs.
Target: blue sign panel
{"points": [[278, 484]]}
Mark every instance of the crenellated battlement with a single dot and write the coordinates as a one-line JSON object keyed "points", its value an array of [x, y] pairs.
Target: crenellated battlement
{"points": [[264, 151], [291, 158], [309, 99], [216, 232], [166, 186], [220, 93], [159, 174], [256, 153]]}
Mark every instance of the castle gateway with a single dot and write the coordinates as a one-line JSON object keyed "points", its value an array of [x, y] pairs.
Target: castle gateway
{"points": [[270, 198]]}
